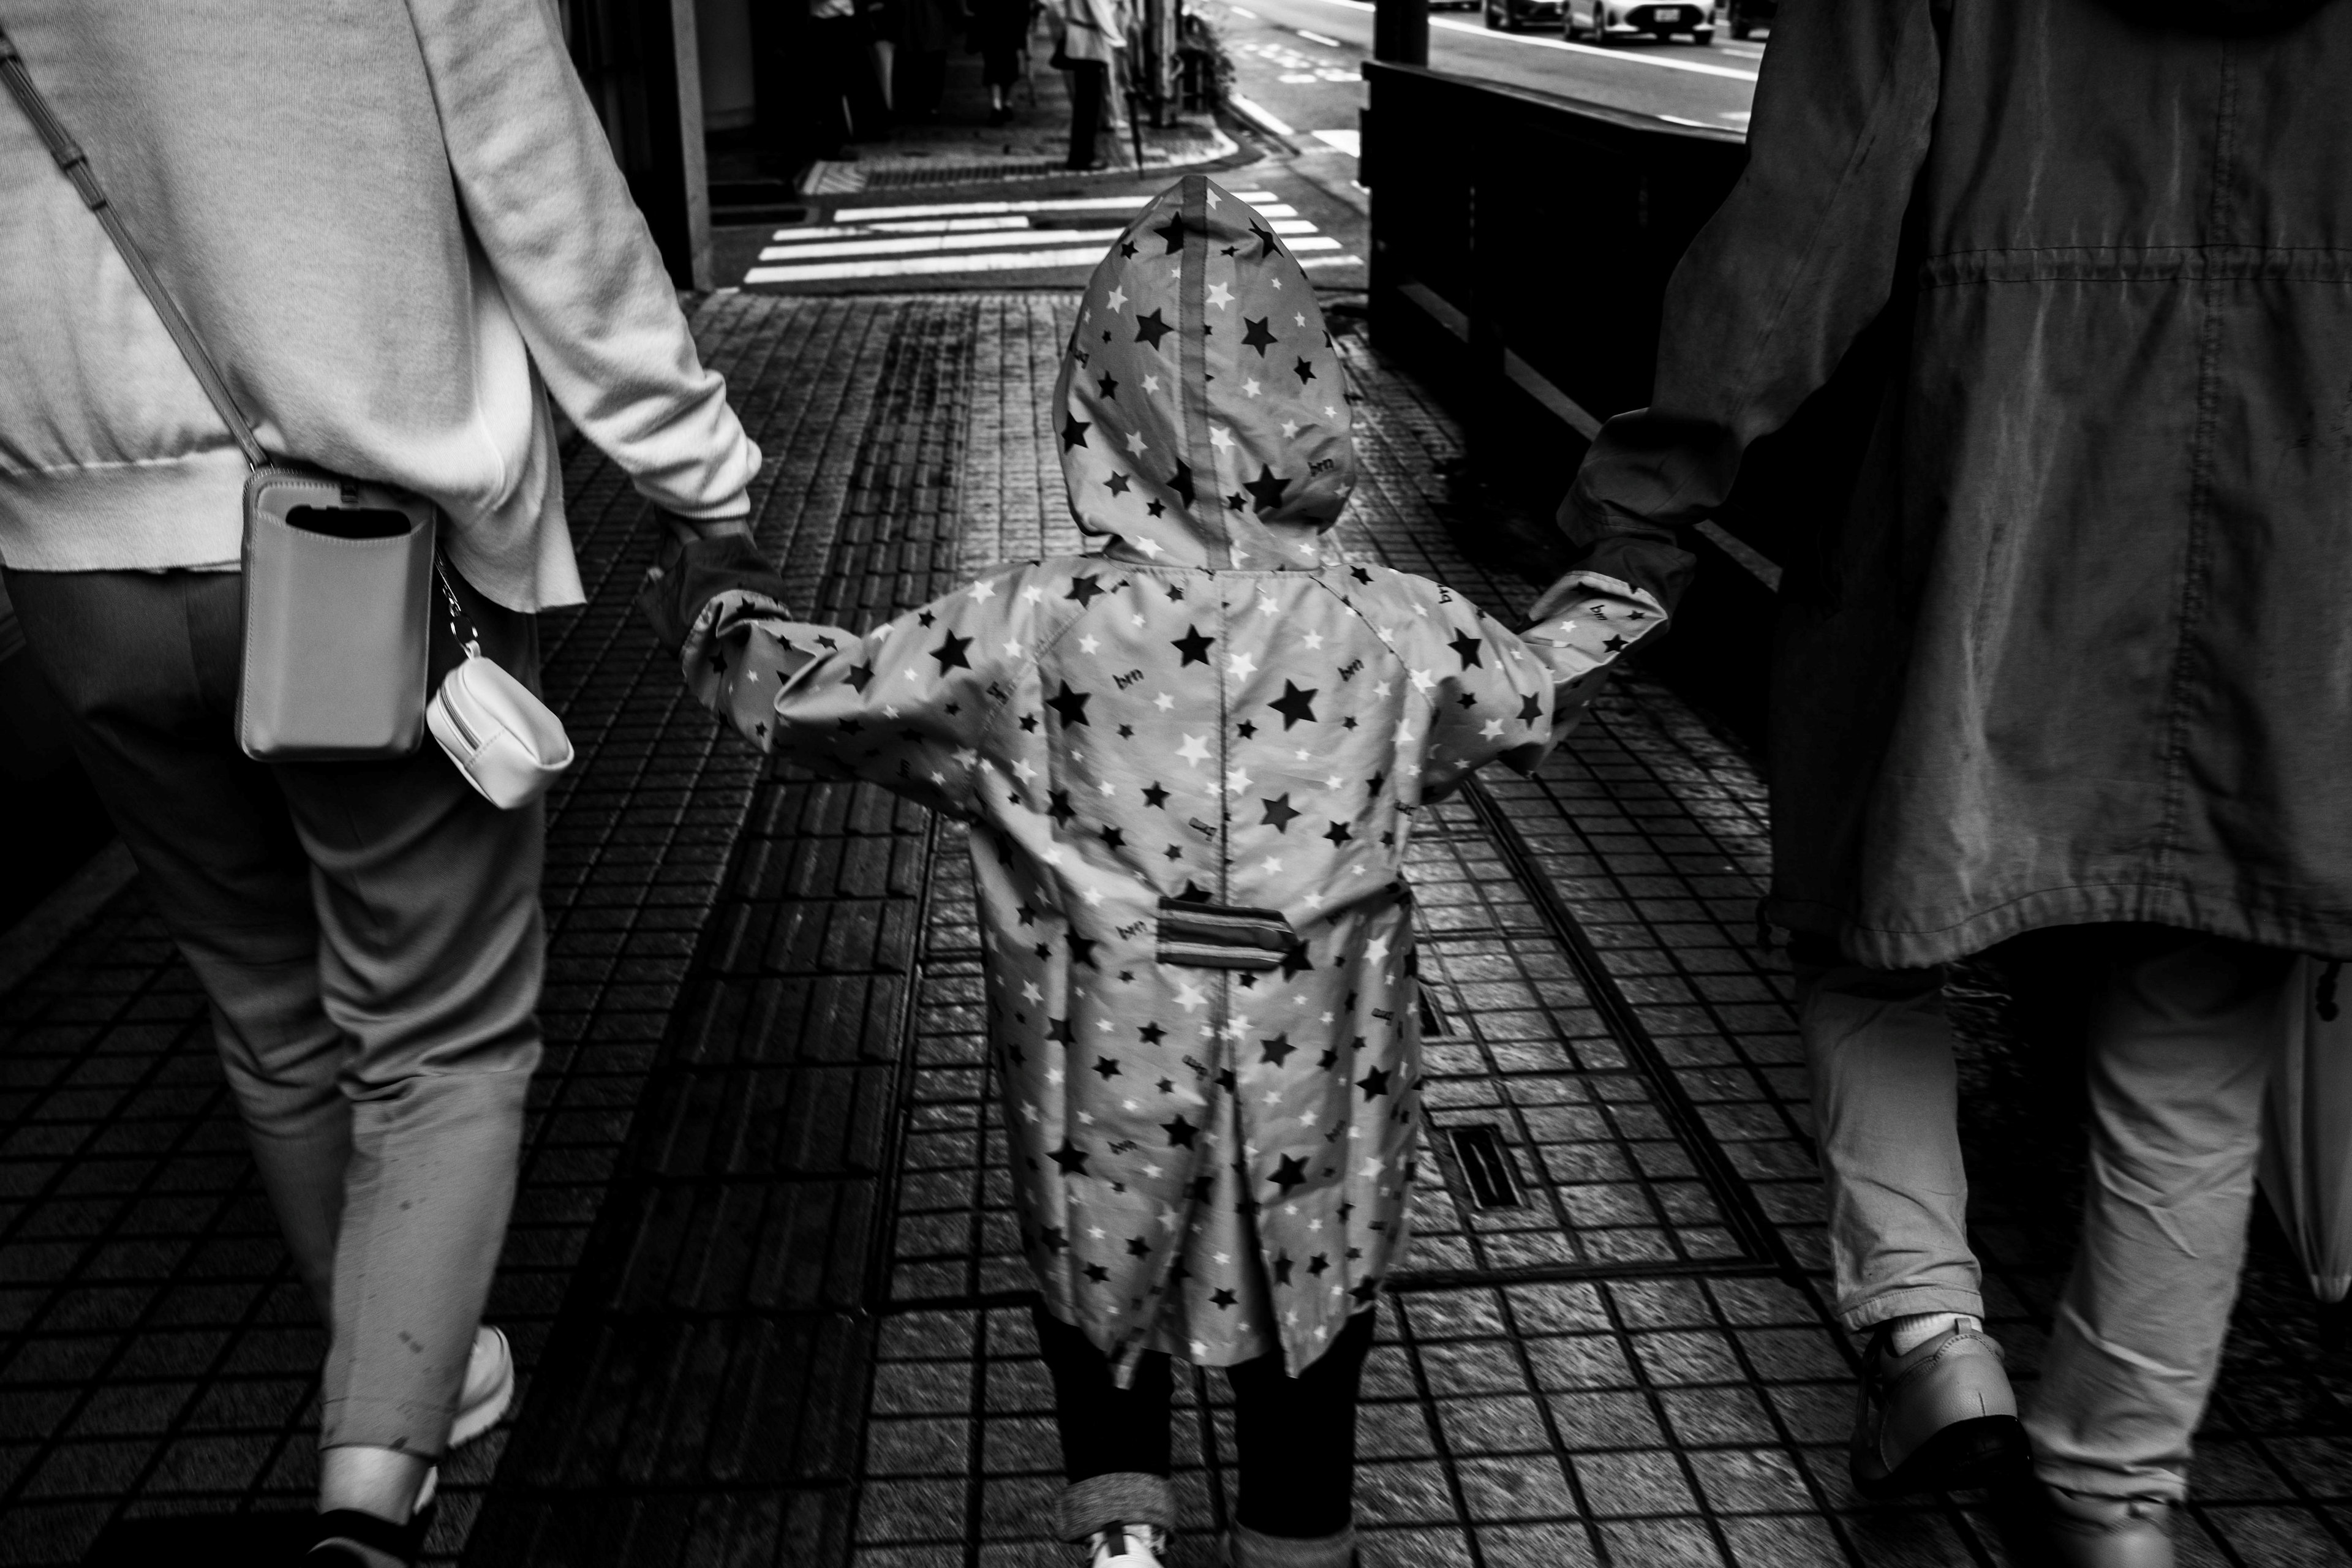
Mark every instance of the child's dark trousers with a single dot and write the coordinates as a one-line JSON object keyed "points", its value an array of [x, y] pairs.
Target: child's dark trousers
{"points": [[1295, 1437]]}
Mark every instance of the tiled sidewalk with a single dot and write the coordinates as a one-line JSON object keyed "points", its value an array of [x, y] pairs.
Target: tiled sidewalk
{"points": [[761, 1276]]}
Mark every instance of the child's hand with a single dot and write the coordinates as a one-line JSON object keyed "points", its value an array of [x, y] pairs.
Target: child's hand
{"points": [[697, 561]]}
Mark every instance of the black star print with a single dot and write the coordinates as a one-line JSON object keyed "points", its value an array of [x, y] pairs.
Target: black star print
{"points": [[1530, 710], [1378, 780], [1097, 1274], [1028, 723], [1071, 1158], [1374, 1083], [1108, 1067], [925, 619], [1615, 645], [1127, 732], [1061, 810], [1321, 1262], [1073, 434], [1155, 508], [1246, 730], [1278, 1048], [1070, 707], [1279, 813], [1294, 705], [1467, 647], [859, 674], [1305, 371], [1283, 1265], [1156, 796], [1294, 959], [1194, 647], [1291, 1172], [1118, 484], [1338, 832], [1265, 240], [1236, 502], [951, 653], [1082, 950], [1180, 1133], [1109, 385], [1256, 336], [1138, 1247], [1150, 328], [1172, 231], [849, 726], [1084, 590], [1113, 838], [1059, 1029], [1220, 1298], [1360, 575], [1364, 1290], [1174, 853], [1152, 1035], [1181, 483], [1028, 913], [1054, 1239], [1267, 488], [1126, 247]]}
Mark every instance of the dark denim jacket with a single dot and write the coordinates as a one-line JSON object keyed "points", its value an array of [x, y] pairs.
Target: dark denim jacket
{"points": [[2079, 648]]}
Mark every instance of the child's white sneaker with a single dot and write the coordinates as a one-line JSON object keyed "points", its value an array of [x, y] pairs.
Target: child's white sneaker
{"points": [[1125, 1546]]}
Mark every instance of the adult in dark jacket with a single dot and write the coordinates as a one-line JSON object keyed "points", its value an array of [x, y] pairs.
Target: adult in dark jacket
{"points": [[2073, 655], [1000, 32]]}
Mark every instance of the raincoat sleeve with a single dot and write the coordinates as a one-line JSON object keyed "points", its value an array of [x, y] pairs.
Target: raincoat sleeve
{"points": [[1799, 259], [906, 706], [1510, 699]]}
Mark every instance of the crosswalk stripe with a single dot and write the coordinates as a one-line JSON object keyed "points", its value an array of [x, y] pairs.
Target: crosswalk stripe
{"points": [[920, 226], [932, 244], [1063, 204], [919, 266]]}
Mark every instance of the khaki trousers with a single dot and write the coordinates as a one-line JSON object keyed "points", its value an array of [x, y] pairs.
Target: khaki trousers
{"points": [[369, 936], [2182, 1035]]}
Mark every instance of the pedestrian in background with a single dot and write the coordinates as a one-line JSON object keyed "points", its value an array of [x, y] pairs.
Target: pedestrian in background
{"points": [[2070, 655], [1000, 36], [394, 252], [1089, 37], [1191, 760], [924, 31]]}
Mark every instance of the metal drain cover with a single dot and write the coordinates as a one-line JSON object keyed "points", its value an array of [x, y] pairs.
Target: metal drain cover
{"points": [[1486, 1161]]}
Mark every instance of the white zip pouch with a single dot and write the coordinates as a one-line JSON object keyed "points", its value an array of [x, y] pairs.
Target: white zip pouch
{"points": [[509, 744]]}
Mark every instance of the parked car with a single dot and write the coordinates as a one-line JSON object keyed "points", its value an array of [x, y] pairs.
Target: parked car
{"points": [[1510, 16], [1606, 21], [1747, 15]]}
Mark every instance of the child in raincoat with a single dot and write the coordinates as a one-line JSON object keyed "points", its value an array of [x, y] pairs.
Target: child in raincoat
{"points": [[1191, 761]]}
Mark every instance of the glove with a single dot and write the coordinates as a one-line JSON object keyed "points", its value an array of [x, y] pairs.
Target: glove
{"points": [[691, 568]]}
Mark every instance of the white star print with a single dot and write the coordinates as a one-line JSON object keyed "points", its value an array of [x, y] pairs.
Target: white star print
{"points": [[1029, 992], [1023, 770], [1163, 702], [964, 759], [1220, 437], [1094, 898], [1404, 732], [1299, 317], [1376, 950], [1382, 690], [1152, 384], [1491, 727], [1152, 549], [1270, 865], [1194, 750], [1088, 643], [1332, 781], [1118, 299], [1241, 665], [1190, 996], [1267, 605], [983, 589], [1033, 594], [1422, 679], [1219, 295], [1249, 387], [889, 709], [1289, 428], [1135, 441], [1237, 780], [1012, 648], [1314, 639]]}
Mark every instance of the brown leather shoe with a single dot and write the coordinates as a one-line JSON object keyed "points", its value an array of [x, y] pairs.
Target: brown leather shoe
{"points": [[1939, 1418], [2110, 1532]]}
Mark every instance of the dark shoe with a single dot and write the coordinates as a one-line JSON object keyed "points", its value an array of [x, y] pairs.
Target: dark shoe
{"points": [[347, 1538], [2110, 1532], [1940, 1418]]}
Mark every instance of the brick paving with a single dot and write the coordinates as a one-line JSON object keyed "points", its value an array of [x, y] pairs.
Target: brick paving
{"points": [[762, 1278]]}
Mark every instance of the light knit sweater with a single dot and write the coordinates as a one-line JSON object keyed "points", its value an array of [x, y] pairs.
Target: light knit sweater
{"points": [[396, 226]]}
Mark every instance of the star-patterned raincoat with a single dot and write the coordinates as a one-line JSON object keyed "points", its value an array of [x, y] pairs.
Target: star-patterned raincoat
{"points": [[1192, 763]]}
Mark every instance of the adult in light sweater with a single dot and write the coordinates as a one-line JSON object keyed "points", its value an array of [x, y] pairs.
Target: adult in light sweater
{"points": [[397, 253], [2071, 655]]}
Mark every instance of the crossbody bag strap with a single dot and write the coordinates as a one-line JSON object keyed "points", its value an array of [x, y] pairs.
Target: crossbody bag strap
{"points": [[74, 164]]}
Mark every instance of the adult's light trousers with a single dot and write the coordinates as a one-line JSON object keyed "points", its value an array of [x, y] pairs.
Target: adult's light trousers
{"points": [[369, 936], [2183, 1030]]}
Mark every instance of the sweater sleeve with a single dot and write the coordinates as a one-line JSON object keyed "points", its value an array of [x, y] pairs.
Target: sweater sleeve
{"points": [[1799, 259], [573, 257]]}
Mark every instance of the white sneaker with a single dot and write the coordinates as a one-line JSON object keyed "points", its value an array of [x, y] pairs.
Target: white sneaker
{"points": [[1125, 1546], [488, 1390]]}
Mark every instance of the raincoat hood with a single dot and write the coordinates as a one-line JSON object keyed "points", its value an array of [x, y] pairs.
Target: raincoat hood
{"points": [[1202, 419]]}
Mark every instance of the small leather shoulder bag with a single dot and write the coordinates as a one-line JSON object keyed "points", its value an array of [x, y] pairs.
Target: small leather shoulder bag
{"points": [[337, 571]]}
